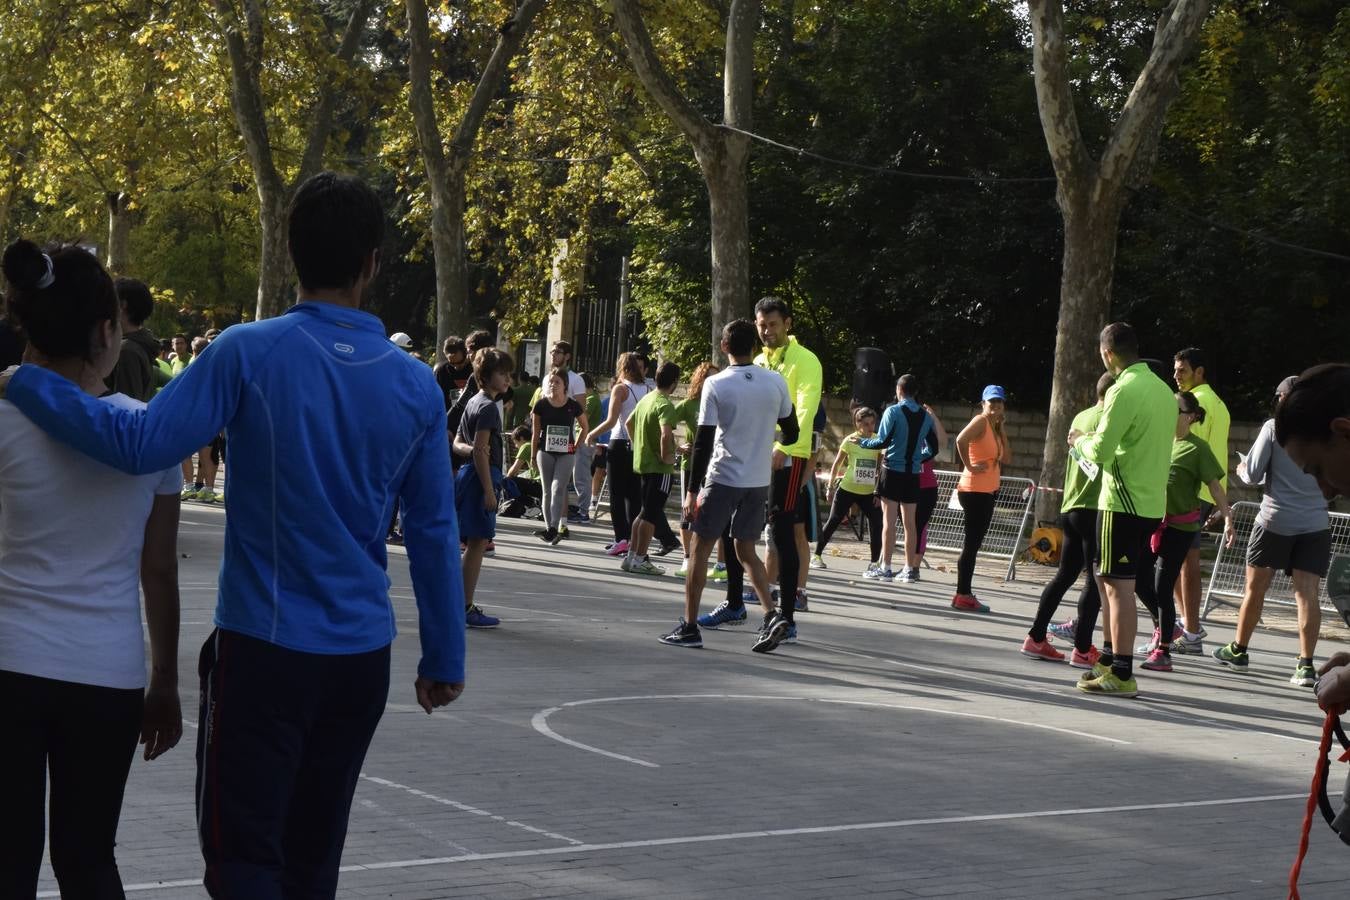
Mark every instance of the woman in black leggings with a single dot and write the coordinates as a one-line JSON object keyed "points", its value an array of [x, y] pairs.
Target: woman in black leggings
{"points": [[853, 480], [984, 451], [1078, 522], [625, 489]]}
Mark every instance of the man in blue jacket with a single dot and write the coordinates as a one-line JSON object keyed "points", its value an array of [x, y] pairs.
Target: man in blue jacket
{"points": [[329, 422]]}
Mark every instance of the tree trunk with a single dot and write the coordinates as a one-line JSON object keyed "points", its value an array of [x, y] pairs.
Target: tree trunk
{"points": [[274, 263], [1090, 228], [449, 242], [119, 233], [724, 173]]}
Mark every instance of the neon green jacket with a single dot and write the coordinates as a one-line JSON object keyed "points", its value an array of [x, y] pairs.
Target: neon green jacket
{"points": [[1133, 443], [1213, 431], [801, 369]]}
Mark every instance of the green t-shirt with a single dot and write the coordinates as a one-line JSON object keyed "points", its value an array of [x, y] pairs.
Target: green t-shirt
{"points": [[521, 404], [651, 412], [523, 455], [864, 467], [1193, 465], [592, 407], [1133, 443], [1213, 431], [1082, 478]]}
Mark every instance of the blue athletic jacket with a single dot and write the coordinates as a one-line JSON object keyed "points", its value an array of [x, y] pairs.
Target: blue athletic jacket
{"points": [[905, 432], [327, 423]]}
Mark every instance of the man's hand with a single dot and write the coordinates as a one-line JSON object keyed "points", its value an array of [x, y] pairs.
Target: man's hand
{"points": [[1333, 690], [1229, 532], [1074, 435], [779, 459], [5, 376], [690, 506], [161, 719], [431, 694]]}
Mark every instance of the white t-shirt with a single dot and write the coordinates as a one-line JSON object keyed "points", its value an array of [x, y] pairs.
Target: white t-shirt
{"points": [[71, 533], [745, 403], [576, 385], [635, 393]]}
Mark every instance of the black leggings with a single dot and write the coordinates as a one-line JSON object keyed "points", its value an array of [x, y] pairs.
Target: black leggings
{"points": [[83, 736], [1080, 546], [839, 508], [1154, 583], [979, 509], [625, 489]]}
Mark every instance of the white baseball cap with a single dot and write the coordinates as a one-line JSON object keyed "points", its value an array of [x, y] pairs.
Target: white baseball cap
{"points": [[401, 340]]}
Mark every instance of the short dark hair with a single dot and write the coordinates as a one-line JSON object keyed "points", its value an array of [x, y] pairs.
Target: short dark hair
{"points": [[58, 318], [863, 412], [1320, 395], [667, 375], [587, 380], [335, 222], [489, 361], [1120, 339], [1193, 357], [521, 432], [136, 299], [183, 336], [909, 385], [1104, 384], [479, 340], [772, 304], [453, 344], [740, 337], [563, 346]]}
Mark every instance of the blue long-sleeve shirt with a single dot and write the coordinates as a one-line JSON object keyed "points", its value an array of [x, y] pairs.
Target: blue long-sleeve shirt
{"points": [[904, 433], [327, 422]]}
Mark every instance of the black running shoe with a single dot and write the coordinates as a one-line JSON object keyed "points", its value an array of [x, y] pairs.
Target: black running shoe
{"points": [[667, 549], [771, 633], [684, 635]]}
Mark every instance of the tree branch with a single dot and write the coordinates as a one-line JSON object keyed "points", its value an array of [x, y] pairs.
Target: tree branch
{"points": [[321, 125], [657, 80], [738, 77], [512, 34], [420, 100], [78, 147], [1054, 94], [1155, 87], [246, 98]]}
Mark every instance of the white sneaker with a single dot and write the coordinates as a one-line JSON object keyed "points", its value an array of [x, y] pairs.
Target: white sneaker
{"points": [[627, 564], [886, 575], [908, 575], [817, 562], [645, 566], [873, 571], [683, 570]]}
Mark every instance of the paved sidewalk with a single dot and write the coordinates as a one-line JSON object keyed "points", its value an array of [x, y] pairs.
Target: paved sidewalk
{"points": [[901, 749]]}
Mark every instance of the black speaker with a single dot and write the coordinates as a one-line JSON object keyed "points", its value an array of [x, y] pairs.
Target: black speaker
{"points": [[873, 378]]}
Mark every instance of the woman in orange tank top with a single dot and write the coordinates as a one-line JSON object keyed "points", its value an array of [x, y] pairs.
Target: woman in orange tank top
{"points": [[984, 450]]}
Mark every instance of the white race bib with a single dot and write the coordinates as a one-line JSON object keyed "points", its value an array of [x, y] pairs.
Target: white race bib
{"points": [[1087, 466], [557, 438], [865, 472]]}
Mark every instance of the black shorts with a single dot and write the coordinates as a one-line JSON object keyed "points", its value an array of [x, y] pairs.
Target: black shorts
{"points": [[218, 448], [901, 487], [1122, 543], [598, 460], [655, 491], [1308, 552], [789, 494]]}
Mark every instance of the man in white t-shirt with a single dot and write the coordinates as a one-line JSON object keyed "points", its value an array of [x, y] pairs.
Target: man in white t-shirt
{"points": [[728, 487]]}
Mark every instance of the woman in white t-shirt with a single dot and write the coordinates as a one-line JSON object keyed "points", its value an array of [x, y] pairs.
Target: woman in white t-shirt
{"points": [[77, 542], [625, 489]]}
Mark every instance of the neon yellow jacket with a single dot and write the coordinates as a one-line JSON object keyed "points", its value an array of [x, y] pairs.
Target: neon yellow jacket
{"points": [[801, 369], [1133, 443]]}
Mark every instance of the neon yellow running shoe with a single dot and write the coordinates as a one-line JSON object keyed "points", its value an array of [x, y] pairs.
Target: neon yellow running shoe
{"points": [[1109, 685]]}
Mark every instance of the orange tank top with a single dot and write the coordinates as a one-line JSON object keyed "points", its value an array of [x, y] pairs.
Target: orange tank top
{"points": [[984, 449]]}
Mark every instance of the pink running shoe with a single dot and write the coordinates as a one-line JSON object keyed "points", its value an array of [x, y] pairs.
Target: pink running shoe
{"points": [[617, 549], [1085, 660], [1158, 661], [1041, 650], [968, 603]]}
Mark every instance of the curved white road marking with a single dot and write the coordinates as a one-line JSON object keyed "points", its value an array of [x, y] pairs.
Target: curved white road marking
{"points": [[540, 719]]}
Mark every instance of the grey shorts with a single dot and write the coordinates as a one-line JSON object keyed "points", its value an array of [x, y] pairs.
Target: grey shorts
{"points": [[744, 509], [1308, 552]]}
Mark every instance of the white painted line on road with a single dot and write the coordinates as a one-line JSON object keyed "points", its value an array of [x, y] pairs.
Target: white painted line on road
{"points": [[464, 807], [412, 826], [751, 835], [540, 719]]}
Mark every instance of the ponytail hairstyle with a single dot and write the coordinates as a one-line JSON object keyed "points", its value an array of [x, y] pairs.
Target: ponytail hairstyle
{"points": [[1187, 404], [59, 297], [863, 412], [630, 368]]}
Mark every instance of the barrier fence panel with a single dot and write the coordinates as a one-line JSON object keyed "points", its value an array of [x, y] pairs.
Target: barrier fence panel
{"points": [[1007, 532], [1229, 574]]}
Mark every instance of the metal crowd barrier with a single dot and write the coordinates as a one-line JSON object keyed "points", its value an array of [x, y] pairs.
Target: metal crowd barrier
{"points": [[1008, 532], [1229, 574]]}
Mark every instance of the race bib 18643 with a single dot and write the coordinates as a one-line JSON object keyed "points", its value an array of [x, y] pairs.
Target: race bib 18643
{"points": [[865, 472]]}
